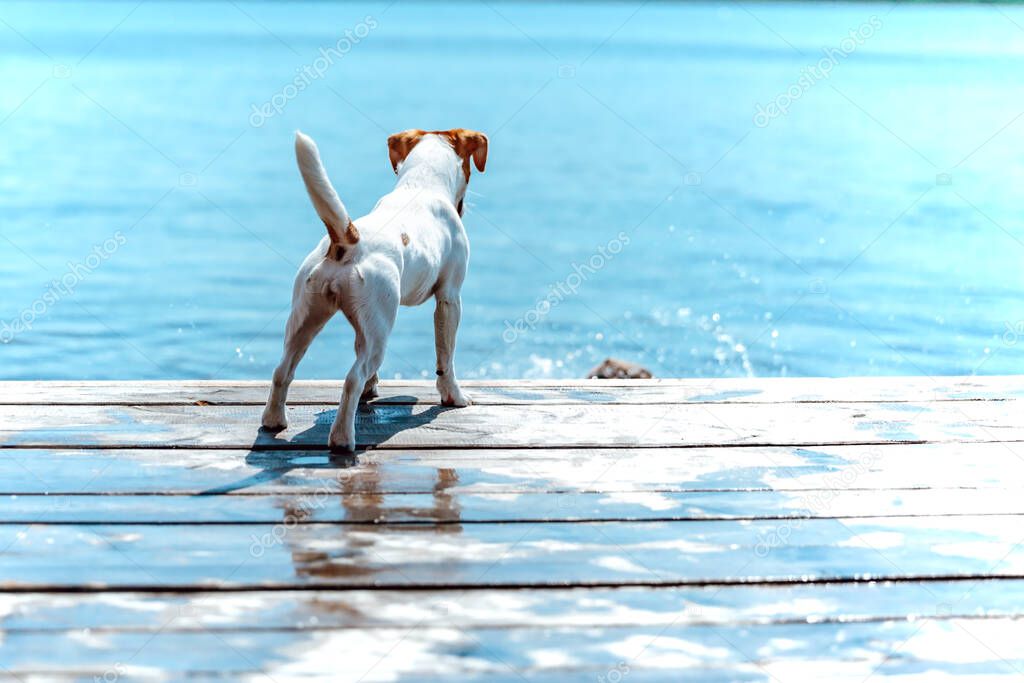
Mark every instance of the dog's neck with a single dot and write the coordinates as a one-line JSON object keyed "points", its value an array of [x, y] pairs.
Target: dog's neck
{"points": [[434, 166]]}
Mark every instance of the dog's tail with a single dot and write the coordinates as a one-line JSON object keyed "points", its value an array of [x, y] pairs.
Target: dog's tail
{"points": [[325, 200]]}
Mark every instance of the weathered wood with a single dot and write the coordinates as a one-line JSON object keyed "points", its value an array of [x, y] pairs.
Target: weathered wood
{"points": [[745, 526], [835, 651], [831, 468], [538, 426], [534, 554], [364, 505], [515, 392], [509, 608]]}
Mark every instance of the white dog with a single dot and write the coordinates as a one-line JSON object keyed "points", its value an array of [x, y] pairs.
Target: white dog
{"points": [[411, 247]]}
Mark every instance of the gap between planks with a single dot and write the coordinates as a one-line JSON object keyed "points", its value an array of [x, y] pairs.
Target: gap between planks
{"points": [[514, 625], [362, 448], [291, 522], [341, 586], [298, 493]]}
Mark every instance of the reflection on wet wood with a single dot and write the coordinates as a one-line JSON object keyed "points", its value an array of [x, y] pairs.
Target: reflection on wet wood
{"points": [[839, 468], [451, 504], [708, 653], [729, 529], [291, 553], [521, 426], [114, 611]]}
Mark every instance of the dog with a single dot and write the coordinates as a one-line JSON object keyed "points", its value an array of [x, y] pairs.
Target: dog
{"points": [[412, 246]]}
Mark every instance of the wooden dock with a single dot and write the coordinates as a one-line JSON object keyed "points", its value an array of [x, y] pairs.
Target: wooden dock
{"points": [[781, 529]]}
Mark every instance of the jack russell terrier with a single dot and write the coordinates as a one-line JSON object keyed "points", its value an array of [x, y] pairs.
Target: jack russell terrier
{"points": [[411, 247]]}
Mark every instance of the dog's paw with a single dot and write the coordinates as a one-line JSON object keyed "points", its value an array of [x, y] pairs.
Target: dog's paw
{"points": [[340, 442], [274, 420], [455, 399], [342, 447]]}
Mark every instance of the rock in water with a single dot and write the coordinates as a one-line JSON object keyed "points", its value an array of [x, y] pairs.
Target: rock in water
{"points": [[613, 368]]}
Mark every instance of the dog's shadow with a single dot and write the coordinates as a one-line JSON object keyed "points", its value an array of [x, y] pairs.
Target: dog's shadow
{"points": [[376, 422]]}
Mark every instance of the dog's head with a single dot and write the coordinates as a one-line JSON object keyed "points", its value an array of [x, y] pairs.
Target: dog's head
{"points": [[405, 148]]}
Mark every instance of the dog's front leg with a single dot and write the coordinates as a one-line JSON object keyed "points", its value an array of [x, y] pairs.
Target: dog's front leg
{"points": [[446, 324]]}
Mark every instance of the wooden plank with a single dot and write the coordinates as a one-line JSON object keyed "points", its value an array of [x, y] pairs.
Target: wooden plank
{"points": [[511, 608], [615, 553], [747, 559], [514, 392], [419, 426], [192, 471], [831, 651], [302, 622], [363, 505]]}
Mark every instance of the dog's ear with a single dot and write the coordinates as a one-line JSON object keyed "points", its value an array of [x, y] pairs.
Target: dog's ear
{"points": [[469, 143], [400, 144]]}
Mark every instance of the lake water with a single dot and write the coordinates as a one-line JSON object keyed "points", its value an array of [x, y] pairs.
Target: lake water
{"points": [[874, 227]]}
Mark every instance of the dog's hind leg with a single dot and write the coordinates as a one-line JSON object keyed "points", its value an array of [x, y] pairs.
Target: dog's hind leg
{"points": [[370, 389], [308, 317], [372, 327]]}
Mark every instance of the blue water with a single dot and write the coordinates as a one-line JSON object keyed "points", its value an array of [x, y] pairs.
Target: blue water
{"points": [[875, 228]]}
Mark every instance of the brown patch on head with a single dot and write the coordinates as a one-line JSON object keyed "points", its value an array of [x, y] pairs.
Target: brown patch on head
{"points": [[466, 143], [469, 143], [405, 240], [400, 144]]}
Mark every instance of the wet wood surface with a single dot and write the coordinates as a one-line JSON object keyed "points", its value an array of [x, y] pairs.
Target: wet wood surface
{"points": [[520, 426], [621, 531]]}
